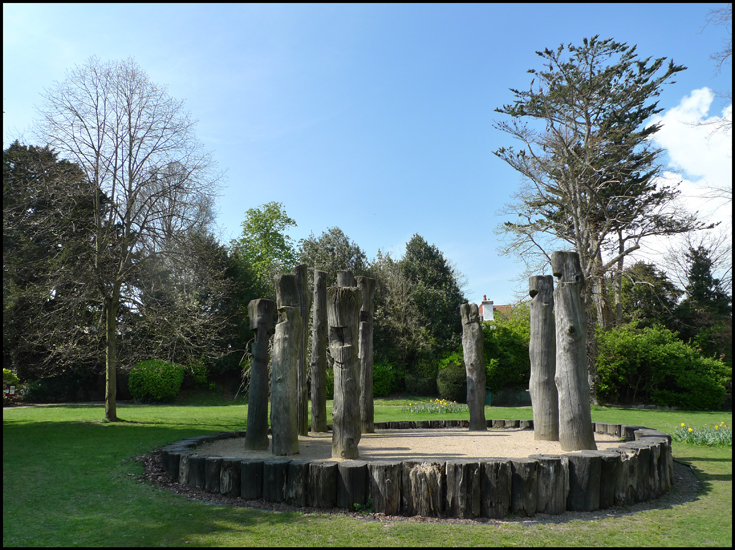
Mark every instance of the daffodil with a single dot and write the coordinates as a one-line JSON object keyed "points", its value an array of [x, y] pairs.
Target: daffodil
{"points": [[690, 430], [683, 425], [717, 427]]}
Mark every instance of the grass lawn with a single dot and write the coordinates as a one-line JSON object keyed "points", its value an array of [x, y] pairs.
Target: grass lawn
{"points": [[69, 480]]}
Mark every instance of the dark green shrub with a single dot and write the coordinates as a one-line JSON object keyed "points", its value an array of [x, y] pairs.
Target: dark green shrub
{"points": [[452, 378], [651, 365], [384, 378], [195, 375], [155, 380], [330, 383], [421, 380], [71, 386], [507, 364]]}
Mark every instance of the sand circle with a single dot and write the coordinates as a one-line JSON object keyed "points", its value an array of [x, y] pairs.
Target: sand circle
{"points": [[431, 445]]}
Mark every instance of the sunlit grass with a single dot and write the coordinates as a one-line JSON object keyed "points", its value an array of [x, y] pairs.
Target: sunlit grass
{"points": [[71, 480]]}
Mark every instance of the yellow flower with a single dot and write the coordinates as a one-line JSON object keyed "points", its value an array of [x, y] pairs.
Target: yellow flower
{"points": [[683, 425], [717, 427], [690, 430]]}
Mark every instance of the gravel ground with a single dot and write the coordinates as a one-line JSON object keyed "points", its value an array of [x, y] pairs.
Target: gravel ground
{"points": [[439, 444]]}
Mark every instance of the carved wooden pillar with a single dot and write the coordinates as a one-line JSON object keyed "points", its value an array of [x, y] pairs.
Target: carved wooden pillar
{"points": [[284, 366], [318, 360], [343, 305], [304, 299], [262, 314], [575, 419], [367, 410], [472, 344], [542, 352], [345, 278]]}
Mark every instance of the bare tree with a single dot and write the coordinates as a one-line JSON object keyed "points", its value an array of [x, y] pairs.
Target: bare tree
{"points": [[136, 145]]}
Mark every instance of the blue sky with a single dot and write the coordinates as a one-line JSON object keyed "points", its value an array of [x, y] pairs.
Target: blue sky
{"points": [[373, 118]]}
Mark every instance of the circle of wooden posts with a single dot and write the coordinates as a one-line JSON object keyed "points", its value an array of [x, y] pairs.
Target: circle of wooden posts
{"points": [[636, 471]]}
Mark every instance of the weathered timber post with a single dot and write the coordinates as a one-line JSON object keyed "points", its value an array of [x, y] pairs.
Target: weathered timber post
{"points": [[262, 314], [345, 278], [343, 305], [542, 352], [302, 393], [472, 343], [367, 410], [575, 419], [286, 344], [318, 360]]}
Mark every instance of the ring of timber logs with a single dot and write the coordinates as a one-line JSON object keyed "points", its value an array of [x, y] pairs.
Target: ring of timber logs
{"points": [[636, 471]]}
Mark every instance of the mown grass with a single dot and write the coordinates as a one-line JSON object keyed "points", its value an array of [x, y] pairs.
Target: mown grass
{"points": [[70, 480]]}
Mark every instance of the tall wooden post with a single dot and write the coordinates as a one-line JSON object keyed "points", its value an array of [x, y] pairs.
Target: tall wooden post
{"points": [[343, 305], [367, 409], [318, 358], [262, 314], [345, 278], [300, 271], [542, 352], [472, 344], [286, 343], [575, 418]]}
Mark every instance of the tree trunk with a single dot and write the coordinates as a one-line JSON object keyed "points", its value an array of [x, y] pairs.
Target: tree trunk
{"points": [[286, 343], [322, 484], [275, 475], [427, 482], [524, 487], [463, 496], [352, 484], [367, 410], [542, 351], [343, 305], [346, 279], [319, 354], [552, 483], [472, 344], [385, 486], [496, 482], [575, 420], [302, 285], [111, 306], [584, 481], [262, 314]]}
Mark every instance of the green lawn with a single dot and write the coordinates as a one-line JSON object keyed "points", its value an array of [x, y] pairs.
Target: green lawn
{"points": [[69, 480]]}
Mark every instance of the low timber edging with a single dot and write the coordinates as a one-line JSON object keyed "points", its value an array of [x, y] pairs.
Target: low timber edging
{"points": [[638, 470]]}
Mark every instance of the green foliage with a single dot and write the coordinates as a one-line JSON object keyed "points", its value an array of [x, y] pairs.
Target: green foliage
{"points": [[718, 436], [705, 315], [329, 383], [507, 363], [264, 245], [155, 380], [385, 378], [196, 374], [652, 365], [333, 251], [421, 378], [435, 406], [648, 296], [451, 379], [9, 378], [364, 509]]}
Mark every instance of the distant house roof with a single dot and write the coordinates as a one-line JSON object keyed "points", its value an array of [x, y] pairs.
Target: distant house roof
{"points": [[505, 310]]}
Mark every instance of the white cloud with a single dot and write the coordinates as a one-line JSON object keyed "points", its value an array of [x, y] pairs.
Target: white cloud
{"points": [[700, 158]]}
